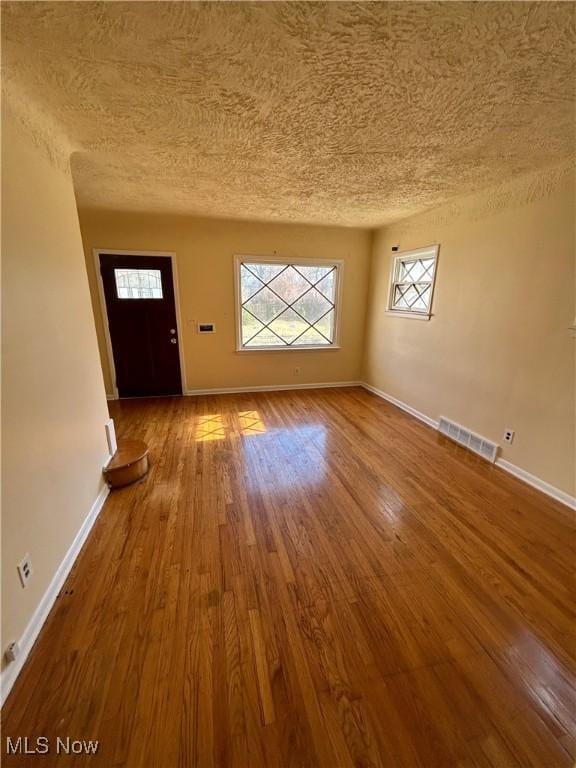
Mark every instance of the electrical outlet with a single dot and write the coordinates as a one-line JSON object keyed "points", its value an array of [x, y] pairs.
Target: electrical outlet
{"points": [[25, 570], [297, 371], [509, 436]]}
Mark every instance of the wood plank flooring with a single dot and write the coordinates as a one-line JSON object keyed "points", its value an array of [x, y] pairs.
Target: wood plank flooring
{"points": [[307, 579]]}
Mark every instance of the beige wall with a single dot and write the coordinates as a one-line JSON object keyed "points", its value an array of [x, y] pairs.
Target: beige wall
{"points": [[53, 401], [497, 352], [204, 250]]}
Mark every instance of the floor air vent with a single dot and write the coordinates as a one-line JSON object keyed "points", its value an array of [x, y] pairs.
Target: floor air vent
{"points": [[474, 442]]}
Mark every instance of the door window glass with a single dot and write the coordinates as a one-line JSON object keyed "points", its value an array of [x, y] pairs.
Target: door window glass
{"points": [[138, 283]]}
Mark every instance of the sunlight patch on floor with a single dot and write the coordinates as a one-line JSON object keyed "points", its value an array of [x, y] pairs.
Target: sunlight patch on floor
{"points": [[251, 423], [212, 426]]}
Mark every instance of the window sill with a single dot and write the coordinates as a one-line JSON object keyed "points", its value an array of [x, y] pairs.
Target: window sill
{"points": [[320, 348], [410, 315]]}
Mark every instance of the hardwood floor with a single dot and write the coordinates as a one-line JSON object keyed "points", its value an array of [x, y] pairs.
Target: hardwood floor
{"points": [[309, 578]]}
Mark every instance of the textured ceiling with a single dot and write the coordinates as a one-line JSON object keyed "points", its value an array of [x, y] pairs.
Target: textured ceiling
{"points": [[342, 113]]}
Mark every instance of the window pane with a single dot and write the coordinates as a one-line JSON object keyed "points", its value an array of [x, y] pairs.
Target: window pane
{"points": [[311, 337], [266, 338], [289, 285], [416, 271], [249, 283], [326, 326], [265, 305], [421, 303], [327, 285], [411, 271], [412, 296], [313, 274], [138, 283], [265, 271], [313, 305], [287, 304], [289, 325], [399, 302], [250, 326], [413, 276]]}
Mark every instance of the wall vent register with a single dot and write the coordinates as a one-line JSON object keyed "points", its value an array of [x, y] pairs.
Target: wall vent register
{"points": [[480, 445]]}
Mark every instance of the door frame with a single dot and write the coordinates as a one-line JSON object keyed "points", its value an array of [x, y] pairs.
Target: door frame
{"points": [[104, 309]]}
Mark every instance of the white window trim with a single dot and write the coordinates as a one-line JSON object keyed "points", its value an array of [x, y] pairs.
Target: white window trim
{"points": [[430, 252], [338, 263]]}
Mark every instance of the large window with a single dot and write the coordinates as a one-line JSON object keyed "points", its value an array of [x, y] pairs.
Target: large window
{"points": [[287, 304], [412, 282]]}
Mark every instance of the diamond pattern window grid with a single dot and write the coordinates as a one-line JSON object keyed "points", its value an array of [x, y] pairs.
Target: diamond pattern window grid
{"points": [[287, 305], [412, 288]]}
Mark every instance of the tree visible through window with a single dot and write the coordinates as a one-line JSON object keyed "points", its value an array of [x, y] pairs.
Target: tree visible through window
{"points": [[287, 304]]}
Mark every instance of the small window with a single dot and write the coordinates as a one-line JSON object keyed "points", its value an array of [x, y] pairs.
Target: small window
{"points": [[412, 284], [287, 304], [138, 283]]}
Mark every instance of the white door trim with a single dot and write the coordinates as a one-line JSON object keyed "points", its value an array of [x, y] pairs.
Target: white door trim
{"points": [[104, 310]]}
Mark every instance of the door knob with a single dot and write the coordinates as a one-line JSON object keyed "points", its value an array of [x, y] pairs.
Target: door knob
{"points": [[173, 341]]}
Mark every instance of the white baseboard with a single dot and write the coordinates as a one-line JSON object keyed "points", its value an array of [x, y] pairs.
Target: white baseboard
{"points": [[518, 472], [403, 406], [262, 388], [272, 388], [28, 637], [536, 482]]}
